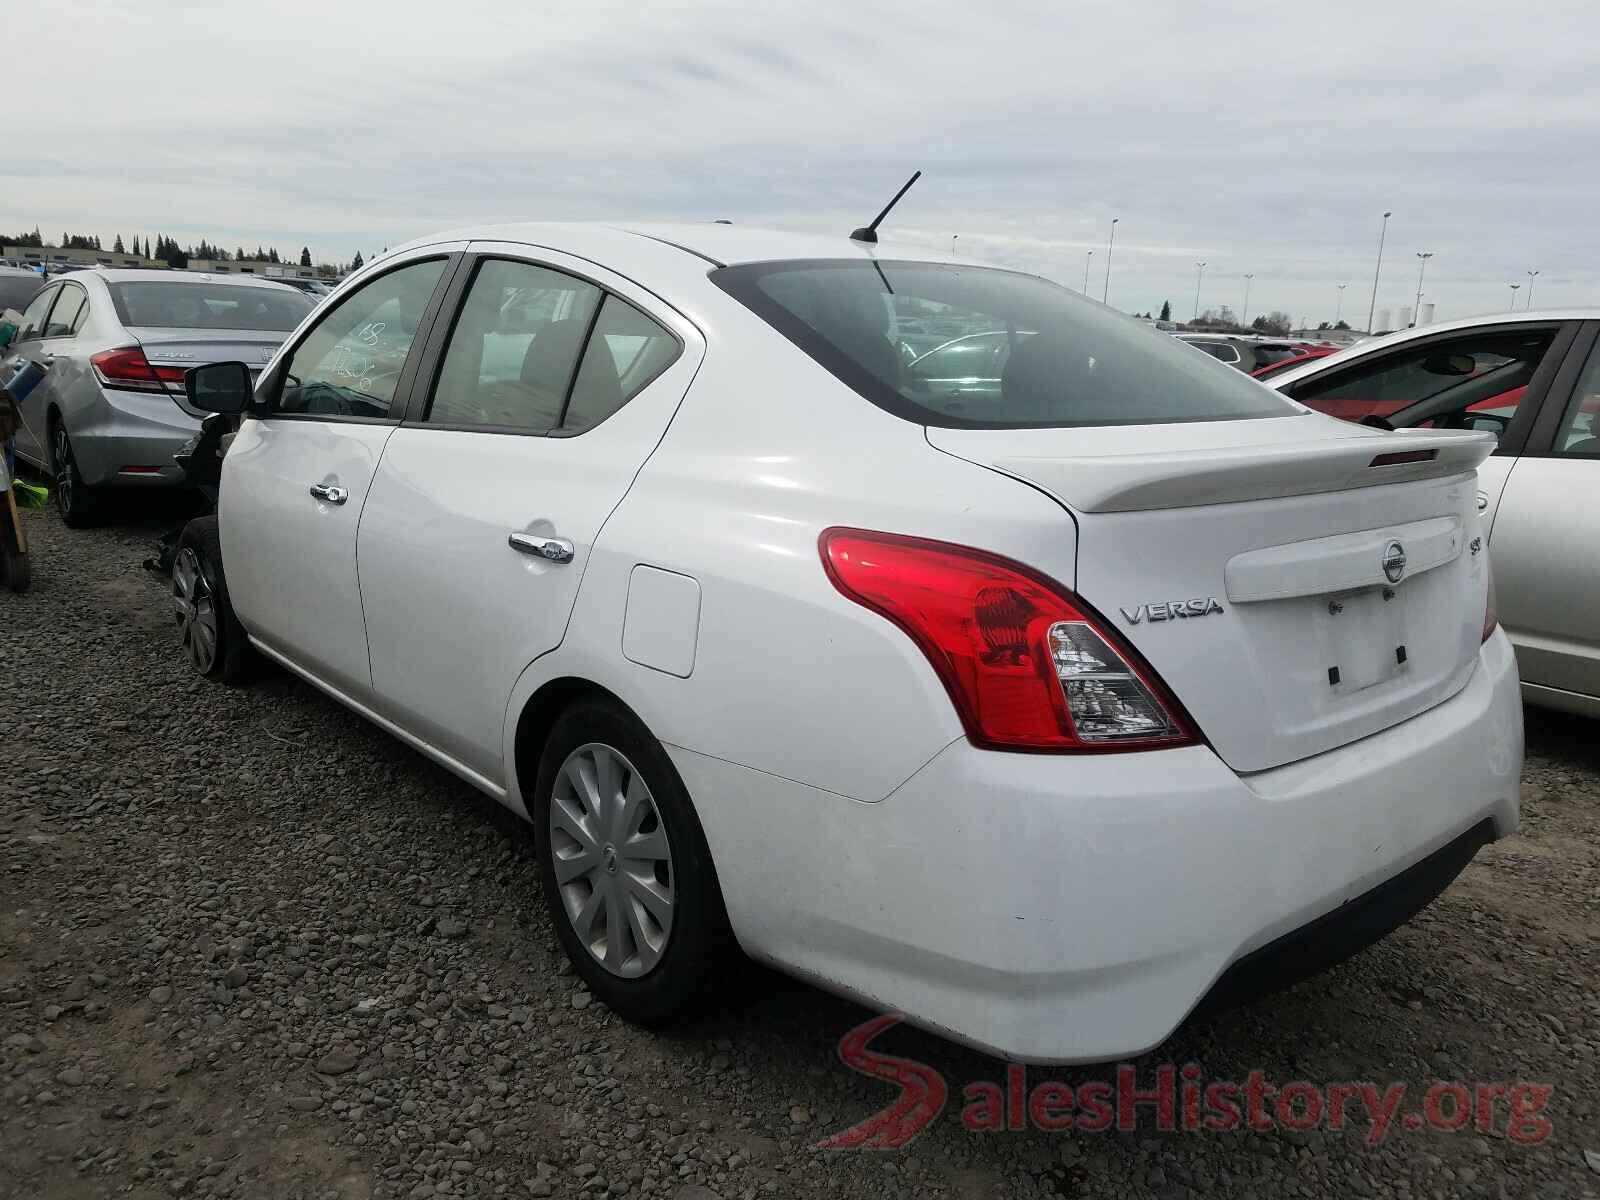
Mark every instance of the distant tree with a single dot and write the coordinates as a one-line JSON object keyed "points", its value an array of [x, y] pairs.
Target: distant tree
{"points": [[1321, 325], [1166, 310], [116, 246], [272, 255], [305, 256], [239, 254], [355, 263], [1341, 324]]}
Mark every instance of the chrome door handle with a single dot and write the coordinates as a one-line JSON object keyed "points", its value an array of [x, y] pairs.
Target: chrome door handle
{"points": [[552, 549], [1483, 502], [331, 492]]}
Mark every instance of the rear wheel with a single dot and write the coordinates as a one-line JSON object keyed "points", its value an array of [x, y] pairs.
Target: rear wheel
{"points": [[213, 640], [75, 500], [626, 873]]}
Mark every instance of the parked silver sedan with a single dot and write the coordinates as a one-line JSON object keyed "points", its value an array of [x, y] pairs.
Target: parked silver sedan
{"points": [[1533, 380], [112, 411]]}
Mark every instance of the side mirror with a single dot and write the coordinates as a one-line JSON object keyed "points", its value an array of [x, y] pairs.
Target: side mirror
{"points": [[222, 387], [1449, 364]]}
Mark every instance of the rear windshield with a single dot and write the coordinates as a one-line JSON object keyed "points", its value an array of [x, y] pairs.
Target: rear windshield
{"points": [[966, 347], [199, 305], [17, 290]]}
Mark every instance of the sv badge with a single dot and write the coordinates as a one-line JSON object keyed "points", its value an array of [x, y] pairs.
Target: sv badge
{"points": [[1172, 610]]}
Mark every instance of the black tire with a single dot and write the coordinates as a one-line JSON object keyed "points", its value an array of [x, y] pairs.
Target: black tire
{"points": [[76, 501], [698, 943], [199, 586]]}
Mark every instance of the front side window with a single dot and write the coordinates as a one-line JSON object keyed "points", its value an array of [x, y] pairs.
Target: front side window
{"points": [[196, 304], [1066, 361], [514, 349], [1477, 381], [64, 317], [33, 316], [350, 362]]}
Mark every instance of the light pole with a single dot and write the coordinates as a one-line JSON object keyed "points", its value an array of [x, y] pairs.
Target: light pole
{"points": [[1514, 288], [1105, 297], [1373, 307], [953, 238], [1531, 276], [1244, 318], [1087, 259], [1339, 308], [1416, 313], [1200, 273]]}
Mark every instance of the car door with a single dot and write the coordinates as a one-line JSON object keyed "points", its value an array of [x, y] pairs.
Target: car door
{"points": [[29, 344], [1546, 546], [298, 474], [1491, 377], [533, 411]]}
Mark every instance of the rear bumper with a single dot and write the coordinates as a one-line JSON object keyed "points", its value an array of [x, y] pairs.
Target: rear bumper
{"points": [[1056, 909], [130, 429]]}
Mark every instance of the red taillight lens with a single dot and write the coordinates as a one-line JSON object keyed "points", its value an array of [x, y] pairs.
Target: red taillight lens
{"points": [[1027, 664], [1491, 619], [126, 367]]}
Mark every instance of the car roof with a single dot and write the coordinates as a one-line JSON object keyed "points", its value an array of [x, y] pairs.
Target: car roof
{"points": [[1390, 341], [155, 275], [717, 244]]}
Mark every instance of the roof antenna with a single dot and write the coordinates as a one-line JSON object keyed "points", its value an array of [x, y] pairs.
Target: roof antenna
{"points": [[869, 233]]}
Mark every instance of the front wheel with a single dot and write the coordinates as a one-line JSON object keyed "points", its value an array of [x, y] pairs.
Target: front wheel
{"points": [[626, 872], [213, 640]]}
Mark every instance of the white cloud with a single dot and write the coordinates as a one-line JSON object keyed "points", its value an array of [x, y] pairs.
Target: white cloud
{"points": [[1260, 141]]}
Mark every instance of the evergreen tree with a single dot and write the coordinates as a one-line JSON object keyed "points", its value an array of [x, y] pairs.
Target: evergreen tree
{"points": [[116, 246], [355, 263], [1166, 310], [305, 256]]}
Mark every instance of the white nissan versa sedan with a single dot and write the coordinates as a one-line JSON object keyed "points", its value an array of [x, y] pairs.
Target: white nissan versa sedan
{"points": [[1039, 712]]}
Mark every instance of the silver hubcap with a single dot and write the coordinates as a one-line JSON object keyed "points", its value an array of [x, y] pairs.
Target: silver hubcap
{"points": [[612, 861], [63, 469], [196, 610]]}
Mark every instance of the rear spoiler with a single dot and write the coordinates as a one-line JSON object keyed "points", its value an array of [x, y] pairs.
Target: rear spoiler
{"points": [[1186, 479]]}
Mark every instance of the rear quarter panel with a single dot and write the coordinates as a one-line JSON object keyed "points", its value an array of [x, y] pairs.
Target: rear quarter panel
{"points": [[789, 677]]}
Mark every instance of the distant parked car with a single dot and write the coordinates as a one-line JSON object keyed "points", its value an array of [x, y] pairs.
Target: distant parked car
{"points": [[112, 410], [1234, 351], [1533, 380], [17, 287]]}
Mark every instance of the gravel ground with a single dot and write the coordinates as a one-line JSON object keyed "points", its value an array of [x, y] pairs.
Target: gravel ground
{"points": [[251, 946]]}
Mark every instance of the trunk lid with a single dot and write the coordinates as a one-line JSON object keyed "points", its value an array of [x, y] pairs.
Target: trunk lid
{"points": [[1298, 583], [187, 348]]}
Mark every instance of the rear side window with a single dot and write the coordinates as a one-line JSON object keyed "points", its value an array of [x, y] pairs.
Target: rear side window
{"points": [[199, 305], [514, 348], [64, 317], [1041, 357], [33, 316]]}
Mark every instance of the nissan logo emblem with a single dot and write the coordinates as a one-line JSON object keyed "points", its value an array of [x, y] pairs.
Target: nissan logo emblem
{"points": [[1394, 562]]}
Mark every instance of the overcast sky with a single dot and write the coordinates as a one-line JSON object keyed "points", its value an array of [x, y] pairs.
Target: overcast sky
{"points": [[1258, 140]]}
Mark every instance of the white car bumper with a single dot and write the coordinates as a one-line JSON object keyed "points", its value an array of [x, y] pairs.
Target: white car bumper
{"points": [[1055, 909]]}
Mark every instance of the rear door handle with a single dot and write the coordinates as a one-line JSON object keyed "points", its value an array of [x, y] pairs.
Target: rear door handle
{"points": [[331, 492], [552, 549]]}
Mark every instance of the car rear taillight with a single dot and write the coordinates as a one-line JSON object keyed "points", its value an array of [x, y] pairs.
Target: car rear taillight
{"points": [[127, 368], [1491, 619], [1028, 665]]}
